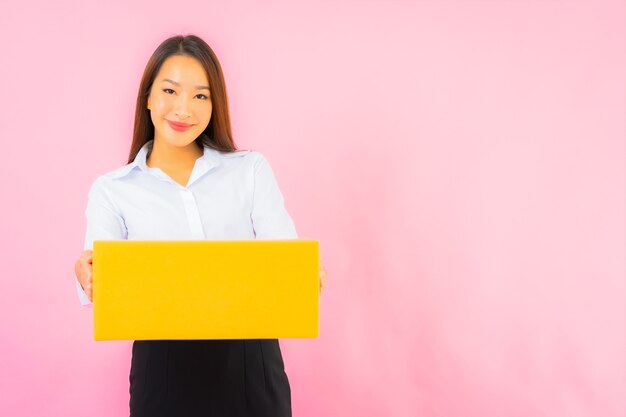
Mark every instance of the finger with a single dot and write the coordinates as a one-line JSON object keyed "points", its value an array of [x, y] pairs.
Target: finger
{"points": [[323, 276], [77, 268], [89, 290], [322, 284]]}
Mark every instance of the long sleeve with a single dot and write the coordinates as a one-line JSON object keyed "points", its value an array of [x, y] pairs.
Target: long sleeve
{"points": [[270, 219], [104, 222]]}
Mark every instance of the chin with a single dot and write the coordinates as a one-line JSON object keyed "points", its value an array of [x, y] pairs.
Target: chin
{"points": [[179, 141]]}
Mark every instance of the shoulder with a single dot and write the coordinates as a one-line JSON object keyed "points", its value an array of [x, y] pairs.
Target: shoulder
{"points": [[240, 153], [257, 159], [118, 172], [102, 184], [246, 155], [249, 158]]}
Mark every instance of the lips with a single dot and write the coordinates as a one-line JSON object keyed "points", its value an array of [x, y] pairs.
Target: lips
{"points": [[179, 127]]}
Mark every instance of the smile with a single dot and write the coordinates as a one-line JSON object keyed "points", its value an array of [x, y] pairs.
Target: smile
{"points": [[179, 127]]}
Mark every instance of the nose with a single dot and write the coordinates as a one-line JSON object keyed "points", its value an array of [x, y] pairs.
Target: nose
{"points": [[181, 107]]}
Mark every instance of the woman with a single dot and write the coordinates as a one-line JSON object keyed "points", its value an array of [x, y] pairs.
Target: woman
{"points": [[185, 179]]}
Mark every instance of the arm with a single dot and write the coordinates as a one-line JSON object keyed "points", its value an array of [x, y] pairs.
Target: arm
{"points": [[270, 219], [104, 222]]}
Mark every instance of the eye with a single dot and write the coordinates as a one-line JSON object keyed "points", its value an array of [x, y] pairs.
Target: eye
{"points": [[167, 89], [205, 97]]}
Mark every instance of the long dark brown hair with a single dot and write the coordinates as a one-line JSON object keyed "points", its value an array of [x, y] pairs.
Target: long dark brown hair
{"points": [[217, 134]]}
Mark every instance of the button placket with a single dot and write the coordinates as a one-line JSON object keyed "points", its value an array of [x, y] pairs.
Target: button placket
{"points": [[193, 214]]}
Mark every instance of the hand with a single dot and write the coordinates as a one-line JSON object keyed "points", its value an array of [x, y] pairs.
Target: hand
{"points": [[84, 272], [323, 276]]}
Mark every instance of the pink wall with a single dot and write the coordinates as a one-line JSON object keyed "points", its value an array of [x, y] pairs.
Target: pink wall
{"points": [[461, 162]]}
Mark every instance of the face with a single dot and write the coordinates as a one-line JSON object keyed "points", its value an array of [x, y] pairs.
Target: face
{"points": [[180, 93]]}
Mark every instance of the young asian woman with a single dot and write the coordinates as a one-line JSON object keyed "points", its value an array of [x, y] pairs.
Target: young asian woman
{"points": [[185, 179]]}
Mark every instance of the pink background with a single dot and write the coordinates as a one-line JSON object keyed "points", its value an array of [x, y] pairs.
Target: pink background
{"points": [[461, 162]]}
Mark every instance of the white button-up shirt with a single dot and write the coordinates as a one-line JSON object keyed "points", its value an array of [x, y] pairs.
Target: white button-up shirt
{"points": [[229, 195]]}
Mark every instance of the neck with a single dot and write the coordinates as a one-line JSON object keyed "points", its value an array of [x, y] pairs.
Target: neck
{"points": [[168, 157]]}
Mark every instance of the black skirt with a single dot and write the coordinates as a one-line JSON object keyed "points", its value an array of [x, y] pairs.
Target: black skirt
{"points": [[193, 378]]}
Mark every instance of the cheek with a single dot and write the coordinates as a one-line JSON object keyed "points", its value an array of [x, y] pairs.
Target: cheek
{"points": [[205, 113], [161, 106]]}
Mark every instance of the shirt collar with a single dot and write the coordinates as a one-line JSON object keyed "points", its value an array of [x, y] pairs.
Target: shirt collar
{"points": [[210, 159]]}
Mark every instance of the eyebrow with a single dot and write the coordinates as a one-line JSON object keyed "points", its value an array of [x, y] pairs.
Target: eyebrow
{"points": [[199, 87]]}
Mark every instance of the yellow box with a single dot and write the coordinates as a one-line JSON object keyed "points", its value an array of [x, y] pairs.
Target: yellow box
{"points": [[205, 289]]}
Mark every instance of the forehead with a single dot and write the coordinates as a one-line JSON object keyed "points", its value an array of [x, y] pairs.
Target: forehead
{"points": [[184, 69]]}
